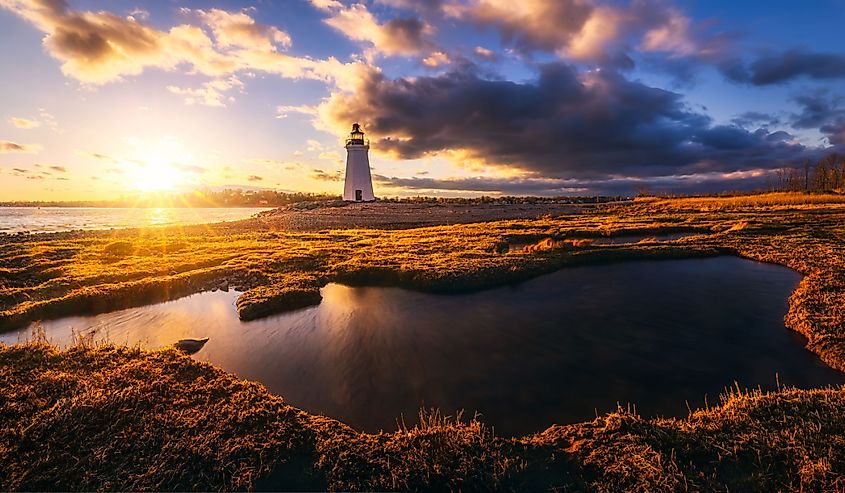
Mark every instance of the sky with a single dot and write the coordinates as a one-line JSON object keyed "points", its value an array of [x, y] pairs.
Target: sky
{"points": [[100, 100]]}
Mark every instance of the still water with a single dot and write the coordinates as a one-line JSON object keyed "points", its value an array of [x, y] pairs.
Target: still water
{"points": [[555, 349], [51, 219]]}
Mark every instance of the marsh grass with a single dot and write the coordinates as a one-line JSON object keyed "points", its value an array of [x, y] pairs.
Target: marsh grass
{"points": [[707, 203]]}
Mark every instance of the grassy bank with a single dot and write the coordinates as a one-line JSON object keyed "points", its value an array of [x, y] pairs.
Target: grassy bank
{"points": [[115, 418]]}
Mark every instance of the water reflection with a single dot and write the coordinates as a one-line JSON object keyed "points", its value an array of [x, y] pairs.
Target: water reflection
{"points": [[555, 349]]}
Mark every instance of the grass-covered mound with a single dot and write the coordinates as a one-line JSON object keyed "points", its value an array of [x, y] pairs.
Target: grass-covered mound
{"points": [[116, 418]]}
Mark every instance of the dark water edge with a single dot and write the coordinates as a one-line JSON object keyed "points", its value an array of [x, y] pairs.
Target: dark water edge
{"points": [[556, 349]]}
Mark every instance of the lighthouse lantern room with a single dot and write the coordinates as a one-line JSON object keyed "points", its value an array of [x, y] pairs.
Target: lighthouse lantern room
{"points": [[359, 184]]}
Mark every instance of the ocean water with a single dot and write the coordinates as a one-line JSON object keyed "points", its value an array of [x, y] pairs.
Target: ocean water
{"points": [[51, 219]]}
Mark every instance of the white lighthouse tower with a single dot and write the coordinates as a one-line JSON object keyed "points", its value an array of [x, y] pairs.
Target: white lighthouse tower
{"points": [[359, 184]]}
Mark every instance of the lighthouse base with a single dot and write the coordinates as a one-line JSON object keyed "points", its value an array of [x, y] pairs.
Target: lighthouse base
{"points": [[359, 185]]}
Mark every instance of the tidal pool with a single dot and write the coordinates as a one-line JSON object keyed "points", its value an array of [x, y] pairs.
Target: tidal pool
{"points": [[556, 349]]}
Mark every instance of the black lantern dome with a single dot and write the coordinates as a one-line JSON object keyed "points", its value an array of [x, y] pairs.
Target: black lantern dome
{"points": [[356, 136]]}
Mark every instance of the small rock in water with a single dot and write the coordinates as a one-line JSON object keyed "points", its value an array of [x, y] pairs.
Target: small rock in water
{"points": [[190, 346], [224, 286]]}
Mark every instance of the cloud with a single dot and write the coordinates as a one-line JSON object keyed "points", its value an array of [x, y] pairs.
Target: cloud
{"points": [[823, 111], [24, 122], [97, 156], [484, 53], [321, 175], [436, 59], [211, 93], [101, 47], [529, 25], [397, 36], [237, 29], [693, 183], [588, 31], [547, 186], [254, 178], [139, 14], [790, 65], [755, 119], [672, 36], [8, 146], [40, 175], [565, 124], [282, 111]]}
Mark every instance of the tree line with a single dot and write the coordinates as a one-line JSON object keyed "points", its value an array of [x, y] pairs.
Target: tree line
{"points": [[828, 173]]}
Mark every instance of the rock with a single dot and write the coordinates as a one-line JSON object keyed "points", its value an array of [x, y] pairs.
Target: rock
{"points": [[224, 286], [190, 346]]}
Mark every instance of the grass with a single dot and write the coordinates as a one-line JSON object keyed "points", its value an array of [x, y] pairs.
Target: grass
{"points": [[773, 199], [120, 418]]}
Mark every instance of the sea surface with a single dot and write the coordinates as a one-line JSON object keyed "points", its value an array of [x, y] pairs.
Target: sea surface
{"points": [[660, 335], [52, 219]]}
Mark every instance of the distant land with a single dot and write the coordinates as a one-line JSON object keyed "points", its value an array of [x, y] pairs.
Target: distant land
{"points": [[271, 198], [196, 199]]}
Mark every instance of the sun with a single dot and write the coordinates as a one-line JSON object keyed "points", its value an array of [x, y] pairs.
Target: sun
{"points": [[155, 173], [155, 178]]}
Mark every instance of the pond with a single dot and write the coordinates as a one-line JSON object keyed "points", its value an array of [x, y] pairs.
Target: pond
{"points": [[556, 349]]}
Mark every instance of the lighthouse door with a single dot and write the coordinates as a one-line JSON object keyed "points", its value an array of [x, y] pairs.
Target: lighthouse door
{"points": [[358, 195]]}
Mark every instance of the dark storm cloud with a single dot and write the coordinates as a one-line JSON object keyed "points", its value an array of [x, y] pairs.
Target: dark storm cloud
{"points": [[823, 111], [792, 64], [405, 31], [477, 184], [817, 109], [563, 125], [755, 119]]}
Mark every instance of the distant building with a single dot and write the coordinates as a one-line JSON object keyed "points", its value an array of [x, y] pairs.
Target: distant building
{"points": [[359, 184]]}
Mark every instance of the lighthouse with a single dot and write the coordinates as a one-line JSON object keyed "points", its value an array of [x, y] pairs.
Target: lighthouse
{"points": [[359, 185]]}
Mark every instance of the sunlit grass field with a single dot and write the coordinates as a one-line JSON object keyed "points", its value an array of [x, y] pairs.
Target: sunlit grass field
{"points": [[159, 420]]}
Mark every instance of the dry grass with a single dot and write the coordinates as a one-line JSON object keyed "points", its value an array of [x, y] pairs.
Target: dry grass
{"points": [[773, 199], [115, 418]]}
